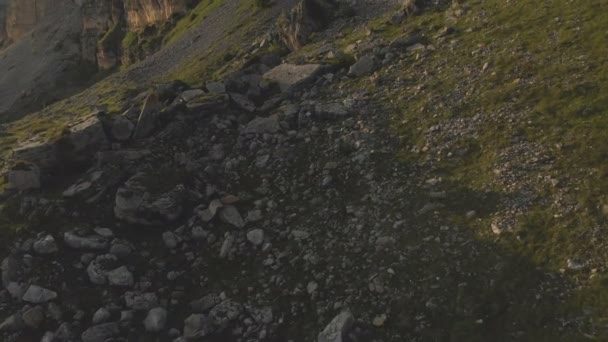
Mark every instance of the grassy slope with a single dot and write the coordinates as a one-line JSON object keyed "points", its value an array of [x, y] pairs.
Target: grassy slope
{"points": [[547, 62]]}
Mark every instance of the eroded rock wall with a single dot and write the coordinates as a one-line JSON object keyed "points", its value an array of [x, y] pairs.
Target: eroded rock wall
{"points": [[142, 13]]}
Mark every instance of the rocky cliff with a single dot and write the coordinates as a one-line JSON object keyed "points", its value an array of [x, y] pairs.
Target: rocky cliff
{"points": [[142, 13], [44, 62], [99, 17]]}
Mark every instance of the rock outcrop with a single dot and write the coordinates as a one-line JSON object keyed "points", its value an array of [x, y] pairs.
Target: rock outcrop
{"points": [[143, 13]]}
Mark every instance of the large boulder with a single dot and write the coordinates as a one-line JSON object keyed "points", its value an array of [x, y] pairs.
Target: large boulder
{"points": [[141, 200], [87, 134], [289, 76], [41, 152], [24, 176]]}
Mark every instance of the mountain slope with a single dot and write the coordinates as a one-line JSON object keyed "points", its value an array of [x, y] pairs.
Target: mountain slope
{"points": [[436, 176]]}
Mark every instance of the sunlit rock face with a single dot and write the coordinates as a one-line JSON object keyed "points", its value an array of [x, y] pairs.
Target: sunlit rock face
{"points": [[142, 13]]}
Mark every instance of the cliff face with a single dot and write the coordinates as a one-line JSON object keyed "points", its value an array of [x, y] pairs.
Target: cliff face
{"points": [[142, 13], [51, 48], [19, 17]]}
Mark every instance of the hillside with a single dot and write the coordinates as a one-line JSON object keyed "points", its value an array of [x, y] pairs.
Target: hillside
{"points": [[363, 170]]}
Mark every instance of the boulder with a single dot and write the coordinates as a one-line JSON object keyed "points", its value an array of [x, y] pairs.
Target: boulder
{"points": [[242, 102], [189, 95], [261, 125], [120, 277], [337, 328], [98, 268], [10, 270], [40, 152], [216, 87], [197, 326], [100, 333], [141, 301], [24, 176], [363, 67], [34, 317], [156, 320], [12, 323], [45, 245], [332, 110], [290, 76], [136, 203], [93, 242], [88, 134], [122, 129], [38, 295], [229, 214]]}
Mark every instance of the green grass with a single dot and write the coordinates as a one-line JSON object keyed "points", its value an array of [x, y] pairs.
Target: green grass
{"points": [[193, 19], [548, 64]]}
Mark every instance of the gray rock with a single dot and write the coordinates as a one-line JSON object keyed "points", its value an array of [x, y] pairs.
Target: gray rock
{"points": [[331, 110], [64, 332], [120, 277], [134, 203], [122, 129], [191, 94], [254, 215], [224, 313], [34, 317], [88, 134], [290, 76], [104, 232], [231, 215], [216, 87], [10, 270], [100, 333], [42, 152], [16, 290], [197, 326], [46, 245], [49, 336], [77, 189], [337, 328], [12, 323], [208, 214], [100, 316], [98, 268], [300, 234], [170, 240], [38, 295], [226, 246], [206, 303], [24, 176], [141, 301], [120, 250], [262, 125], [363, 67], [242, 102], [156, 320], [93, 242], [256, 237]]}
